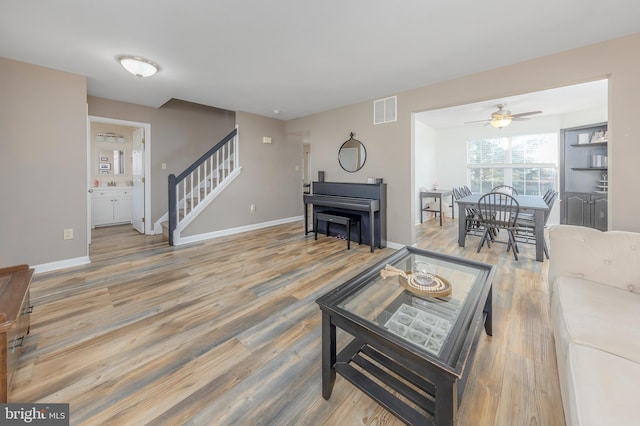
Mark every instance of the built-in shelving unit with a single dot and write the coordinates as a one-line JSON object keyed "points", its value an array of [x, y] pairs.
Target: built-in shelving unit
{"points": [[584, 176]]}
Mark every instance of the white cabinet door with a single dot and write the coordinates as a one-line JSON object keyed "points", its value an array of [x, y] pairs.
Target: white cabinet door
{"points": [[101, 210], [122, 208], [111, 206]]}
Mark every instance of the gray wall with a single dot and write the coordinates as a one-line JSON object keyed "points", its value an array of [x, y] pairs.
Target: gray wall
{"points": [[390, 145], [269, 180], [43, 157]]}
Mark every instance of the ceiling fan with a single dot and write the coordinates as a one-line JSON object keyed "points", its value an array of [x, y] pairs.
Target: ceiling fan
{"points": [[503, 117]]}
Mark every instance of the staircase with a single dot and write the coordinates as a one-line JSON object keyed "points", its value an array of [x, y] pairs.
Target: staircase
{"points": [[193, 189]]}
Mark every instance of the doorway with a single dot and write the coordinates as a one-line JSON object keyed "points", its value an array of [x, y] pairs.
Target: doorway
{"points": [[118, 172], [441, 137]]}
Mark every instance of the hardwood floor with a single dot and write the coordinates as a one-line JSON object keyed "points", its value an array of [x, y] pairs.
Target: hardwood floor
{"points": [[228, 332]]}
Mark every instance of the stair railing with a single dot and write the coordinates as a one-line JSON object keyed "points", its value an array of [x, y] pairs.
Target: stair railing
{"points": [[198, 180]]}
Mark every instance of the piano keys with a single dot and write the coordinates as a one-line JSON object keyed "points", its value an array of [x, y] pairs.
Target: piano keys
{"points": [[366, 199]]}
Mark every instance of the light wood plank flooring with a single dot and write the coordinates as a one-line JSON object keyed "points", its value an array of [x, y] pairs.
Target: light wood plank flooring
{"points": [[227, 332]]}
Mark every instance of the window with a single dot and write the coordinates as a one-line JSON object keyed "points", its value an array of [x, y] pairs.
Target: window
{"points": [[529, 163]]}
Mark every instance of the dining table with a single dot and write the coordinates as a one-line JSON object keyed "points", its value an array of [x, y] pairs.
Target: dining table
{"points": [[528, 203]]}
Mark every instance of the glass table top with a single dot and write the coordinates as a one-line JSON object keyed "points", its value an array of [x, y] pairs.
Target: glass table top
{"points": [[424, 322]]}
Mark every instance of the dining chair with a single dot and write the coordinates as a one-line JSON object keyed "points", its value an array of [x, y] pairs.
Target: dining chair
{"points": [[498, 211], [526, 226], [471, 216], [506, 189]]}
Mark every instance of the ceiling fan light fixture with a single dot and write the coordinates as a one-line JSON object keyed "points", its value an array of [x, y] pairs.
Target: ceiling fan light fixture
{"points": [[499, 123], [140, 67]]}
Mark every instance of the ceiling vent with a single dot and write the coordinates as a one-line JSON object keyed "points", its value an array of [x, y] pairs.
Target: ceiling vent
{"points": [[384, 110]]}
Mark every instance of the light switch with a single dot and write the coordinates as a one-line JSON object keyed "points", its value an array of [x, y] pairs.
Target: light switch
{"points": [[68, 234], [266, 139], [164, 166]]}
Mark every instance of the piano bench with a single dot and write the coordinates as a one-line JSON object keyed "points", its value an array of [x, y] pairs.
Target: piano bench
{"points": [[342, 218]]}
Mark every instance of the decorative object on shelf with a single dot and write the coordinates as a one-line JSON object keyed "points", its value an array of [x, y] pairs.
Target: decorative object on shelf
{"points": [[583, 138], [379, 180], [352, 154], [599, 160], [603, 185], [438, 287], [598, 136], [320, 176], [105, 166]]}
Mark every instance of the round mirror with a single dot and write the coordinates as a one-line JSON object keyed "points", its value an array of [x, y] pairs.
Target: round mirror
{"points": [[352, 155]]}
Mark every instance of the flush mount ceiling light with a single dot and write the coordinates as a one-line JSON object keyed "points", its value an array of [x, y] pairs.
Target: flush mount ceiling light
{"points": [[140, 67]]}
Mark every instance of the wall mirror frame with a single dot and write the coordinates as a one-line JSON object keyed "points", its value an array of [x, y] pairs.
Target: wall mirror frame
{"points": [[352, 154], [111, 161]]}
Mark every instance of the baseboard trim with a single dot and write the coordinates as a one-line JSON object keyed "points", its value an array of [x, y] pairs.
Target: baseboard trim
{"points": [[61, 264], [395, 246], [232, 231]]}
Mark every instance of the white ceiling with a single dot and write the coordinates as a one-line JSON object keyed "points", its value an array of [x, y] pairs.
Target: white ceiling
{"points": [[299, 57], [551, 102]]}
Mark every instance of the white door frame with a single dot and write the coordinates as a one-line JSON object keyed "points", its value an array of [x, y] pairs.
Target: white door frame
{"points": [[148, 225]]}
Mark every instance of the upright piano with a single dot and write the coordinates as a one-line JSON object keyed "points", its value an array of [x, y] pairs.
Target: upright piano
{"points": [[369, 200]]}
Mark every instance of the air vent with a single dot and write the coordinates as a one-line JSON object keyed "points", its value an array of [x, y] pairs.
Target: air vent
{"points": [[384, 110]]}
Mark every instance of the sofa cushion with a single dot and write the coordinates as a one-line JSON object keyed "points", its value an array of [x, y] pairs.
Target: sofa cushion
{"points": [[611, 258], [592, 314], [602, 388]]}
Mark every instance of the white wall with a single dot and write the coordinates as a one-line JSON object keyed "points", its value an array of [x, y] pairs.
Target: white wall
{"points": [[425, 158]]}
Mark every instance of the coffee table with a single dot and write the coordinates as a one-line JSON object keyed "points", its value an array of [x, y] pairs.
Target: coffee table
{"points": [[410, 353]]}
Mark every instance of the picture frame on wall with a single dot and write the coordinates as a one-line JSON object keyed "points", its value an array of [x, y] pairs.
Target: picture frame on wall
{"points": [[105, 166]]}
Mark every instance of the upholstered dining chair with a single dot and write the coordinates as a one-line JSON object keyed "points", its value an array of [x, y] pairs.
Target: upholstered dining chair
{"points": [[498, 211]]}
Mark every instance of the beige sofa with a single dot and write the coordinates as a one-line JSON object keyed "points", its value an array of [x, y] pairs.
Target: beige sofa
{"points": [[595, 315]]}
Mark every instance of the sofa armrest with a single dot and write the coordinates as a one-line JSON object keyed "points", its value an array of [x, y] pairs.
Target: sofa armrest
{"points": [[611, 258]]}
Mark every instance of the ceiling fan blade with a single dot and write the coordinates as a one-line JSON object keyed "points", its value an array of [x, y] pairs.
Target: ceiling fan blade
{"points": [[524, 114], [520, 118], [477, 121]]}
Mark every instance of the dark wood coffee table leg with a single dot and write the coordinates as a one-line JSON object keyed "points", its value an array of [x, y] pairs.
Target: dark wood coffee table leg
{"points": [[328, 355], [446, 402], [488, 308]]}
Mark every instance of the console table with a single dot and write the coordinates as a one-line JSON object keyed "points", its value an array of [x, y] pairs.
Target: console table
{"points": [[15, 310], [437, 194]]}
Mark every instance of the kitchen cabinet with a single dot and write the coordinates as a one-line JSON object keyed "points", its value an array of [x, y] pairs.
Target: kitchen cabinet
{"points": [[111, 206]]}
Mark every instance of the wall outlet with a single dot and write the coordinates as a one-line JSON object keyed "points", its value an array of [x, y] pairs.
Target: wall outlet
{"points": [[68, 234], [253, 208]]}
